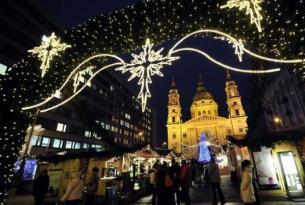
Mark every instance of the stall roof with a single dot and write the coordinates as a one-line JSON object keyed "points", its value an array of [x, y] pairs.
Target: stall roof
{"points": [[90, 153]]}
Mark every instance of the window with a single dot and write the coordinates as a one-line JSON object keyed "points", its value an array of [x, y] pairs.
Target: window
{"points": [[184, 135], [209, 112], [61, 127], [174, 136], [112, 88], [45, 142], [237, 112], [234, 103], [173, 119], [77, 145], [229, 131], [241, 129], [68, 144], [3, 69], [87, 133], [33, 140], [199, 113], [57, 143], [85, 145]]}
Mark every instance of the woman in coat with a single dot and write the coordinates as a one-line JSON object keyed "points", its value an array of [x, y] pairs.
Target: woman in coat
{"points": [[246, 186], [74, 191]]}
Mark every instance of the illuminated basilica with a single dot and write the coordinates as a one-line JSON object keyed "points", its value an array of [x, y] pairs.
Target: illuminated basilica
{"points": [[205, 118]]}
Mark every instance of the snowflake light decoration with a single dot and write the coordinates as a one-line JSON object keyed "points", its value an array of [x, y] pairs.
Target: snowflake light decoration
{"points": [[50, 47], [252, 8], [145, 65], [239, 49], [79, 77]]}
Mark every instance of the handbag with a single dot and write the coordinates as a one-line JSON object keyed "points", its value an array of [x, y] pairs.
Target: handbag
{"points": [[168, 181]]}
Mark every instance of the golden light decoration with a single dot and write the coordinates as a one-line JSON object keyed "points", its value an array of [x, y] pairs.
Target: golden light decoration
{"points": [[252, 8], [50, 47], [149, 62], [145, 65]]}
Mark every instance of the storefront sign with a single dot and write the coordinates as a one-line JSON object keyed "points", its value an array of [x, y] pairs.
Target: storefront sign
{"points": [[266, 172], [29, 170], [291, 175]]}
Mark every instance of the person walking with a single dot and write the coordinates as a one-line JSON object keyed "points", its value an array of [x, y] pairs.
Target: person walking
{"points": [[246, 186], [40, 187], [174, 173], [152, 180], [74, 191], [185, 182], [92, 187], [215, 179]]}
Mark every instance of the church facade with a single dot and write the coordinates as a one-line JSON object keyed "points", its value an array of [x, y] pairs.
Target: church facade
{"points": [[205, 118]]}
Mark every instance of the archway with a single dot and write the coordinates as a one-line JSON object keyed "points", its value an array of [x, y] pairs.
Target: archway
{"points": [[268, 27]]}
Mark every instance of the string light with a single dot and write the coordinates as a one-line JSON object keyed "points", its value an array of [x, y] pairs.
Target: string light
{"points": [[252, 8], [50, 47], [123, 31]]}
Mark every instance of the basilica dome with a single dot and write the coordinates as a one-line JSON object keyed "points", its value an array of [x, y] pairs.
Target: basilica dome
{"points": [[202, 93]]}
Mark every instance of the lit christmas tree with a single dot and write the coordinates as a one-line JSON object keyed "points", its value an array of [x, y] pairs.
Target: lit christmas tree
{"points": [[204, 152]]}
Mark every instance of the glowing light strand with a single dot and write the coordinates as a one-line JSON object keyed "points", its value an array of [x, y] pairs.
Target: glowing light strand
{"points": [[70, 76], [81, 89], [149, 63], [231, 39], [252, 8], [50, 47]]}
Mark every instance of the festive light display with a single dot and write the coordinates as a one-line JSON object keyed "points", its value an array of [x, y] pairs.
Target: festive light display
{"points": [[252, 8], [50, 47], [145, 65], [149, 63], [78, 77], [204, 152], [124, 31]]}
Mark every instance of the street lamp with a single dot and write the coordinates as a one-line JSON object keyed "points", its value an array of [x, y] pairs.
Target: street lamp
{"points": [[164, 144]]}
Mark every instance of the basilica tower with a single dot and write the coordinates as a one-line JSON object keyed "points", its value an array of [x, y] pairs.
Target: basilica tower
{"points": [[235, 107], [174, 119], [236, 112], [174, 107]]}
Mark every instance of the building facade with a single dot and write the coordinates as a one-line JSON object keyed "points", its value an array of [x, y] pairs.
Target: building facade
{"points": [[280, 165], [106, 110], [23, 23], [205, 118]]}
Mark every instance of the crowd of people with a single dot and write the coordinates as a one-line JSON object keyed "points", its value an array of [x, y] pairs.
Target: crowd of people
{"points": [[170, 185]]}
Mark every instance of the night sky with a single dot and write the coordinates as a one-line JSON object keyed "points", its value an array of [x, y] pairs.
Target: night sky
{"points": [[185, 71]]}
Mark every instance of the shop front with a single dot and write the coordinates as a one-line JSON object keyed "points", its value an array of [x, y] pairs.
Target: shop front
{"points": [[279, 170]]}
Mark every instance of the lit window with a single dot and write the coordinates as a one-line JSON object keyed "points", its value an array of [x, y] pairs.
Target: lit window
{"points": [[61, 127], [77, 145], [33, 140], [87, 133], [45, 142], [68, 144], [3, 69], [57, 143], [85, 145], [112, 88], [107, 127]]}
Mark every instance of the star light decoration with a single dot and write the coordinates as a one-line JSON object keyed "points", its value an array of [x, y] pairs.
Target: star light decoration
{"points": [[252, 8], [79, 77], [50, 47], [145, 65]]}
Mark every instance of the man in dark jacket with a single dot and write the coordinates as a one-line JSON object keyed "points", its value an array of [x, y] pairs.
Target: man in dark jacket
{"points": [[40, 187]]}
